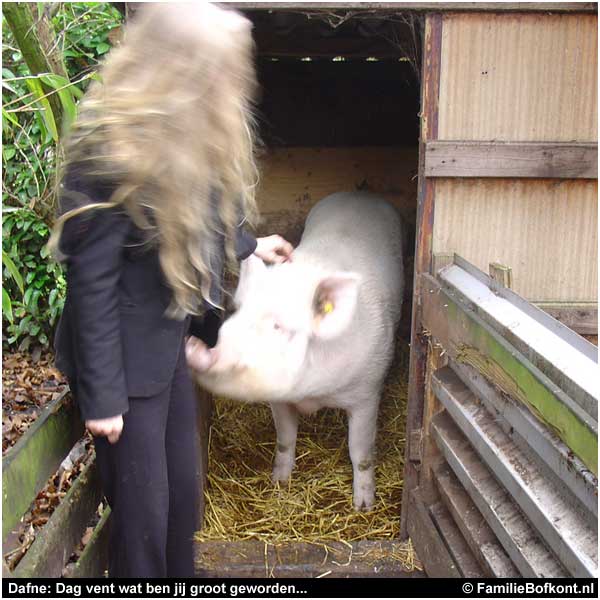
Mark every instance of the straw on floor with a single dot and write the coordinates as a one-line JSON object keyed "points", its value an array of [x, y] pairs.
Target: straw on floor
{"points": [[315, 506]]}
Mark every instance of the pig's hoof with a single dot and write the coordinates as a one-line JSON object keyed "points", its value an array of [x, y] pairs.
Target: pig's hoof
{"points": [[364, 500], [281, 473]]}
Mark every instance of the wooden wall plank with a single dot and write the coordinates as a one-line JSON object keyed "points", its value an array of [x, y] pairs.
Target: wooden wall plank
{"points": [[545, 230], [421, 6], [294, 179], [509, 159], [519, 77]]}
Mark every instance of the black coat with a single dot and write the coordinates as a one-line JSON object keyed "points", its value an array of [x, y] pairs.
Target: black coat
{"points": [[114, 339]]}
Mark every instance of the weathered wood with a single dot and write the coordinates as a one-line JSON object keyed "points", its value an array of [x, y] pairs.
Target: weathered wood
{"points": [[518, 538], [467, 339], [432, 48], [55, 542], [455, 542], [580, 317], [28, 464], [94, 559], [509, 159], [554, 515], [299, 559], [501, 274], [428, 543], [477, 533], [590, 7]]}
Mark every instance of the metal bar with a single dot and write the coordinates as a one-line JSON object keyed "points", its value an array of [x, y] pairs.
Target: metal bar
{"points": [[581, 317], [467, 339], [511, 159], [477, 533], [570, 535], [573, 371], [455, 542], [529, 433], [512, 529], [539, 315]]}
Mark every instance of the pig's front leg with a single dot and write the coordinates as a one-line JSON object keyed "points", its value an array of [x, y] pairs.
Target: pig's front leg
{"points": [[286, 424], [362, 429]]}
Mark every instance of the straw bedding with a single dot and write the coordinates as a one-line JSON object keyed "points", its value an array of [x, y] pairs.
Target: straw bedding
{"points": [[315, 506]]}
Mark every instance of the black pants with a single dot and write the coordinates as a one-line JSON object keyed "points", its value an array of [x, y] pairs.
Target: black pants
{"points": [[150, 479]]}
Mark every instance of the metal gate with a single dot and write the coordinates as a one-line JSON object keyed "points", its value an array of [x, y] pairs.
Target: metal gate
{"points": [[508, 448]]}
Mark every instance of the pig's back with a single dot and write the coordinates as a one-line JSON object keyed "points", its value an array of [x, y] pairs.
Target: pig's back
{"points": [[363, 233]]}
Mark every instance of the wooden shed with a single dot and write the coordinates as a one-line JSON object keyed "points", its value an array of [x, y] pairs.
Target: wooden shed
{"points": [[479, 122]]}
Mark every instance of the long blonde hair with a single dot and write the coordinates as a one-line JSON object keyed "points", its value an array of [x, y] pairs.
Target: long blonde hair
{"points": [[170, 125]]}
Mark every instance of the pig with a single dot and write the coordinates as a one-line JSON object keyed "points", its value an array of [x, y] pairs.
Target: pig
{"points": [[317, 331]]}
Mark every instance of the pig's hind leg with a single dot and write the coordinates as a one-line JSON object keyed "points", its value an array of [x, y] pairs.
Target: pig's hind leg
{"points": [[286, 424], [362, 430]]}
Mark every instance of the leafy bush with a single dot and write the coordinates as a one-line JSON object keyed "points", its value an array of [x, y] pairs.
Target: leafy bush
{"points": [[35, 311], [33, 285]]}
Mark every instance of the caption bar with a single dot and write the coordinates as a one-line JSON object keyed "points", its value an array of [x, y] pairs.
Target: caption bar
{"points": [[414, 587]]}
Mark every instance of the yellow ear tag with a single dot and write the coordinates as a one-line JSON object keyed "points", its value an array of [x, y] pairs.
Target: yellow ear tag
{"points": [[327, 307]]}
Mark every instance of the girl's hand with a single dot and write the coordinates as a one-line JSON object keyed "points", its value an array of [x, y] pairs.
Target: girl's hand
{"points": [[110, 428], [198, 355], [273, 249]]}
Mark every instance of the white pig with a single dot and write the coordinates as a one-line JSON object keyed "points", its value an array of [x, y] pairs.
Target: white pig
{"points": [[319, 331]]}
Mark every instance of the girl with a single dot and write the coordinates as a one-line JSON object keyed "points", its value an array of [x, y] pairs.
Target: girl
{"points": [[159, 176]]}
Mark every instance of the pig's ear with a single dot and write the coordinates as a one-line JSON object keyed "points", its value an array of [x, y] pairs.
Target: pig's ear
{"points": [[334, 304], [249, 269]]}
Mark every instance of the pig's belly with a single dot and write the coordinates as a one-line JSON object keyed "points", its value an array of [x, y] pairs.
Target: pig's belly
{"points": [[308, 406]]}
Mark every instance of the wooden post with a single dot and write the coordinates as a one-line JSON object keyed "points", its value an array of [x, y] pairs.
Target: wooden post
{"points": [[432, 51], [502, 274]]}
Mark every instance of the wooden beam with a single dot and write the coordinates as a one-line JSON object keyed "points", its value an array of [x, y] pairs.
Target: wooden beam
{"points": [[430, 88], [511, 159], [426, 539], [28, 464], [55, 542], [254, 558], [421, 6], [94, 559]]}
